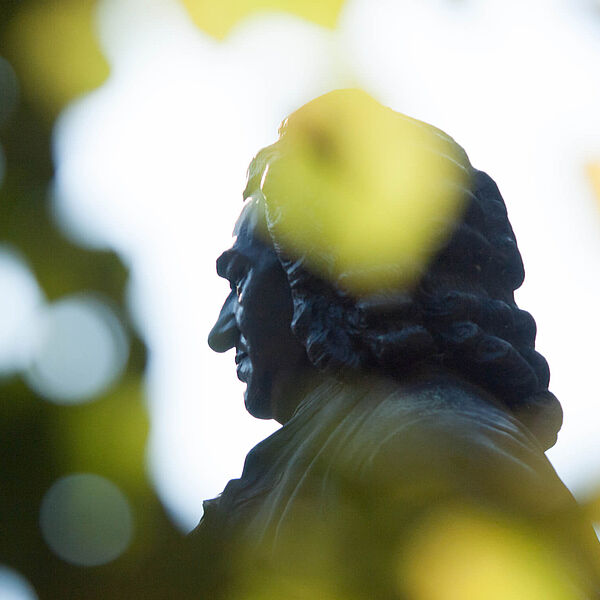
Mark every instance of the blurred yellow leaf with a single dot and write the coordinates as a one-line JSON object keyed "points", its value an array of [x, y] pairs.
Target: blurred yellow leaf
{"points": [[593, 170], [364, 194], [218, 17], [458, 555], [278, 588], [53, 46]]}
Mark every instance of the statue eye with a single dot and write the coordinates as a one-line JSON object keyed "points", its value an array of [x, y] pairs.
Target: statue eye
{"points": [[238, 286]]}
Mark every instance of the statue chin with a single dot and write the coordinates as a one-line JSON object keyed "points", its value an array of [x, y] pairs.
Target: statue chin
{"points": [[257, 397]]}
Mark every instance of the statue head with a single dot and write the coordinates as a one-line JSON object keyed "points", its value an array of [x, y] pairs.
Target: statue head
{"points": [[307, 300]]}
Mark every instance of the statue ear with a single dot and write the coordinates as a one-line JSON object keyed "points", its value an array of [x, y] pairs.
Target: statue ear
{"points": [[542, 414]]}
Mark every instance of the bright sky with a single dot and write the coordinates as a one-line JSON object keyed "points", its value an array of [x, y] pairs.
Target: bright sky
{"points": [[153, 164]]}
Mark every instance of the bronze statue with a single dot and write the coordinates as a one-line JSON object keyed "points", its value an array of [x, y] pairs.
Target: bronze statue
{"points": [[398, 405]]}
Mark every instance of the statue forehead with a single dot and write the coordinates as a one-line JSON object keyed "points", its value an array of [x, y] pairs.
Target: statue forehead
{"points": [[248, 220], [251, 227], [250, 244]]}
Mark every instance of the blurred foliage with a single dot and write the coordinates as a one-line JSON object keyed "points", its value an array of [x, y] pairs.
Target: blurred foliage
{"points": [[459, 554], [426, 547], [53, 45], [52, 57], [219, 18], [85, 436], [376, 168]]}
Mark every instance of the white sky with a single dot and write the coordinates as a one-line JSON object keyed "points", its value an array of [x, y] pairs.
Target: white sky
{"points": [[153, 164]]}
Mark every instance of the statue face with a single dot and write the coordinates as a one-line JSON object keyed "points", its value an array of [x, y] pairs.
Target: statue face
{"points": [[255, 319]]}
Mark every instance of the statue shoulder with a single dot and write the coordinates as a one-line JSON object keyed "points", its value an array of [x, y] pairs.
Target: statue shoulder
{"points": [[448, 438]]}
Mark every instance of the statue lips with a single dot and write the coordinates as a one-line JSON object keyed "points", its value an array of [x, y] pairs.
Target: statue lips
{"points": [[241, 360]]}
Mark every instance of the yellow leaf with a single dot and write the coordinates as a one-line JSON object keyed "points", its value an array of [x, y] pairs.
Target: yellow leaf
{"points": [[218, 17], [54, 49], [364, 194], [459, 554]]}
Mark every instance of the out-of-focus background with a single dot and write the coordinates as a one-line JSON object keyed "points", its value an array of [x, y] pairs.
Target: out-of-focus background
{"points": [[126, 127]]}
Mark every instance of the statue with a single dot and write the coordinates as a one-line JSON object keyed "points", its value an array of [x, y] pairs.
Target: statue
{"points": [[415, 414]]}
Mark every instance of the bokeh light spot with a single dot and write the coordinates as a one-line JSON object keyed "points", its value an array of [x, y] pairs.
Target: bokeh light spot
{"points": [[218, 18], [14, 587], [83, 349], [54, 49], [86, 519], [20, 301], [364, 194], [459, 554]]}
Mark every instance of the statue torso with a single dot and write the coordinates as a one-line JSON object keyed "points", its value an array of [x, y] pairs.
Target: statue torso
{"points": [[360, 467]]}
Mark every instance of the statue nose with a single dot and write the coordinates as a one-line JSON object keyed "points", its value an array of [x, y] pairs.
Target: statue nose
{"points": [[225, 333]]}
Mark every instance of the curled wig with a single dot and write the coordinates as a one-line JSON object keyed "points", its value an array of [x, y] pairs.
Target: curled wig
{"points": [[461, 314]]}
